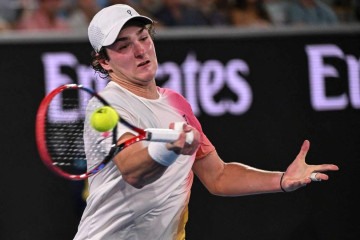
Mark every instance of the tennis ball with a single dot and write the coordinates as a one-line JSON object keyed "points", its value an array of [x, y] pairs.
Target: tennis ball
{"points": [[104, 119]]}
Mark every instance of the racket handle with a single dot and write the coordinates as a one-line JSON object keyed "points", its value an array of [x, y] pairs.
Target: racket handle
{"points": [[167, 135]]}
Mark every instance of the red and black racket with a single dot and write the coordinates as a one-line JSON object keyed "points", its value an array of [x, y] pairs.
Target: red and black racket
{"points": [[60, 128]]}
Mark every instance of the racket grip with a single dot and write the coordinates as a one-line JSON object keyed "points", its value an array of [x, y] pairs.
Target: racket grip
{"points": [[178, 126], [167, 135]]}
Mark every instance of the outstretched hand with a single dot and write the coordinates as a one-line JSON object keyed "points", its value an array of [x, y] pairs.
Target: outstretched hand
{"points": [[299, 173]]}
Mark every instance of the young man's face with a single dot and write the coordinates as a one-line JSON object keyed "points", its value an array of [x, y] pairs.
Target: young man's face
{"points": [[132, 56]]}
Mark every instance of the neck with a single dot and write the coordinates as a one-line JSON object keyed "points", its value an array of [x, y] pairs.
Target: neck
{"points": [[149, 90]]}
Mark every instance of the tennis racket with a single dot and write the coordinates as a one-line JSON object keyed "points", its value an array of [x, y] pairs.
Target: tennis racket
{"points": [[61, 125]]}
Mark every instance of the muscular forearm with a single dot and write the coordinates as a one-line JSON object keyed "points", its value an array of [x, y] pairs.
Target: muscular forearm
{"points": [[141, 165], [234, 179], [252, 180], [137, 167]]}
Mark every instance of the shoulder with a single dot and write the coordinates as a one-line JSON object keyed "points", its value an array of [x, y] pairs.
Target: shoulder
{"points": [[172, 94], [176, 100]]}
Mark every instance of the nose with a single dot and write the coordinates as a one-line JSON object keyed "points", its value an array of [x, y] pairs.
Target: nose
{"points": [[139, 50]]}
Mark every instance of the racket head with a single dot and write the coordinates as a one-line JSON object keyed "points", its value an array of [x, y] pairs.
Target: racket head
{"points": [[66, 141], [60, 128]]}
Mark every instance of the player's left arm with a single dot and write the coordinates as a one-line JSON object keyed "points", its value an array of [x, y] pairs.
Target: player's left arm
{"points": [[236, 179]]}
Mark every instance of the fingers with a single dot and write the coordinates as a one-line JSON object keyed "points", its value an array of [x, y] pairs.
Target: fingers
{"points": [[300, 174], [177, 145], [188, 140], [304, 149], [314, 178], [192, 142], [324, 168], [318, 177], [306, 145], [317, 174], [181, 126]]}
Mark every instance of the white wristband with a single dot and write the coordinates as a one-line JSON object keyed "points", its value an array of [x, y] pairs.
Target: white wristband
{"points": [[160, 154]]}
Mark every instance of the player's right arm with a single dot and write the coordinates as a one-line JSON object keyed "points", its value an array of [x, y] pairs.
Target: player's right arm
{"points": [[135, 164], [138, 167]]}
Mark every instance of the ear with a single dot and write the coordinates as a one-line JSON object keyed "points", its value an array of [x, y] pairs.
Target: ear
{"points": [[105, 64], [102, 61]]}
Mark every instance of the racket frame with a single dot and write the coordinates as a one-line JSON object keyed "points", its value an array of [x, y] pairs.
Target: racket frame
{"points": [[150, 134]]}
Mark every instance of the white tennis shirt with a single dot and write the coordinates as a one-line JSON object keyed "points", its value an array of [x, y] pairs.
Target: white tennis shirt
{"points": [[158, 211]]}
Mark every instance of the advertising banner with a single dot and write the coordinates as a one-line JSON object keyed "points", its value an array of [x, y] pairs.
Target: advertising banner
{"points": [[258, 97]]}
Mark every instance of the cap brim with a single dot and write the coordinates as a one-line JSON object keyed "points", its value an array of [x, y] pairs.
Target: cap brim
{"points": [[111, 37]]}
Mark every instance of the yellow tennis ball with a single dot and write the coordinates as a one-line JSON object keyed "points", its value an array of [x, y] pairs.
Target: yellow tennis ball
{"points": [[104, 119]]}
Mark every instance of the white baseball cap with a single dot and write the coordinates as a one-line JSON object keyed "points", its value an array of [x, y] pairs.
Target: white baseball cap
{"points": [[107, 23]]}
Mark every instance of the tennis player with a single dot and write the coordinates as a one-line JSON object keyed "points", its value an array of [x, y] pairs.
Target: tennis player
{"points": [[144, 192]]}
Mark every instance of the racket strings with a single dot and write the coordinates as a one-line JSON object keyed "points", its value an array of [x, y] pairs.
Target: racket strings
{"points": [[65, 137], [65, 143]]}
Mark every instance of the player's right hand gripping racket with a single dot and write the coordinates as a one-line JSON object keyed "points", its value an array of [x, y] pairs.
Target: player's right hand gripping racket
{"points": [[60, 126]]}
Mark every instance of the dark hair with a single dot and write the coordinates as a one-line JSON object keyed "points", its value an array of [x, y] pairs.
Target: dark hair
{"points": [[102, 54]]}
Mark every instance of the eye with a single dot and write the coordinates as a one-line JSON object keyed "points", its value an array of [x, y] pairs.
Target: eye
{"points": [[123, 46], [143, 38]]}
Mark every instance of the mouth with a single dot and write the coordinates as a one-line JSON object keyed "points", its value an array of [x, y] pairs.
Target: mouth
{"points": [[143, 63]]}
